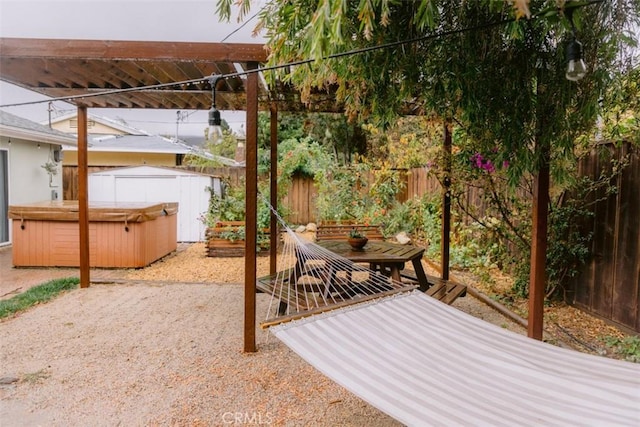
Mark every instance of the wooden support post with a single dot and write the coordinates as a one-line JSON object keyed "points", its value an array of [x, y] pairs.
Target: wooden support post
{"points": [[446, 204], [83, 197], [274, 225], [538, 277], [251, 226]]}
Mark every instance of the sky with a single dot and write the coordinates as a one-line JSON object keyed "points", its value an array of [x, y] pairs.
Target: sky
{"points": [[141, 20]]}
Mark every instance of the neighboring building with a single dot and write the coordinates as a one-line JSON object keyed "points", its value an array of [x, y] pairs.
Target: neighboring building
{"points": [[129, 150], [111, 143], [30, 156], [96, 125]]}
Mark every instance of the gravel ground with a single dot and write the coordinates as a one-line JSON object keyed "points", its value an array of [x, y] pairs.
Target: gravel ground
{"points": [[164, 348]]}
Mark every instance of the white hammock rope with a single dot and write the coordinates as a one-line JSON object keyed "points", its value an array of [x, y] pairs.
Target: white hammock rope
{"points": [[311, 278]]}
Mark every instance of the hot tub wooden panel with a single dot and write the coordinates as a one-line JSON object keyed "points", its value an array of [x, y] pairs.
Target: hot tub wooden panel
{"points": [[113, 243]]}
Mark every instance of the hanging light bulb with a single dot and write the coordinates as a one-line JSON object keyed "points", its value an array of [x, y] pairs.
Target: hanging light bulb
{"points": [[214, 131], [576, 68]]}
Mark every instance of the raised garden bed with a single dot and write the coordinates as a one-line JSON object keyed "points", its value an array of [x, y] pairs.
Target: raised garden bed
{"points": [[226, 239]]}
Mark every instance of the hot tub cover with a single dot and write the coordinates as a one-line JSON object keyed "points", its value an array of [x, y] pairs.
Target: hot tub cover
{"points": [[68, 210]]}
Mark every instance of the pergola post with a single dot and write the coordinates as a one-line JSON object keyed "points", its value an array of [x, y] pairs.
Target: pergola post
{"points": [[251, 226], [274, 226], [83, 197], [446, 205], [538, 277]]}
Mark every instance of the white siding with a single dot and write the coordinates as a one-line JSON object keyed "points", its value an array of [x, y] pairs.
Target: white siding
{"points": [[151, 184], [28, 181]]}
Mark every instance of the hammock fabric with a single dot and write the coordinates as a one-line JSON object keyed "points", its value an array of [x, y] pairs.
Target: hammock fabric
{"points": [[425, 363]]}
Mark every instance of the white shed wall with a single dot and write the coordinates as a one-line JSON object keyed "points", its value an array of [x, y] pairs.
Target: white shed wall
{"points": [[150, 184]]}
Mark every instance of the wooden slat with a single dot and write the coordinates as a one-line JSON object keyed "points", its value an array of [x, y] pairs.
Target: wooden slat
{"points": [[329, 231], [446, 291]]}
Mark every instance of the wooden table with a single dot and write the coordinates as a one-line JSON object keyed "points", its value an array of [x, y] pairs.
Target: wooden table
{"points": [[385, 257]]}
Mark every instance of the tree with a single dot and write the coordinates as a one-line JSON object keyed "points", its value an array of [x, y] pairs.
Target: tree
{"points": [[500, 78]]}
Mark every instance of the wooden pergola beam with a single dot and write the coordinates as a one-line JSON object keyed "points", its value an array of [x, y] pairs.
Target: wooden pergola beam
{"points": [[124, 49]]}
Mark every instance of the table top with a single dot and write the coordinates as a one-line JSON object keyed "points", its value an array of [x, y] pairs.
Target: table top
{"points": [[375, 251]]}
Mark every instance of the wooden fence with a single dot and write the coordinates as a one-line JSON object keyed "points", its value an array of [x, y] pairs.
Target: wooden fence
{"points": [[608, 285]]}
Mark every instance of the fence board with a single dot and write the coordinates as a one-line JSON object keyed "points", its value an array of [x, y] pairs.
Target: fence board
{"points": [[626, 293], [608, 284]]}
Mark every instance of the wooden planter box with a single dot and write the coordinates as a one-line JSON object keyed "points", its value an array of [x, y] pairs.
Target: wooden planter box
{"points": [[219, 246]]}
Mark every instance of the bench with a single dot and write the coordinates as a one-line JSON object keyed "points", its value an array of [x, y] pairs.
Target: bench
{"points": [[443, 290], [340, 231]]}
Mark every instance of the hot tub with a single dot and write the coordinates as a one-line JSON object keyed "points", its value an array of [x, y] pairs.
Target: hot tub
{"points": [[121, 235]]}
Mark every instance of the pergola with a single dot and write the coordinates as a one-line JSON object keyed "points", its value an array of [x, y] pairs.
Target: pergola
{"points": [[135, 74]]}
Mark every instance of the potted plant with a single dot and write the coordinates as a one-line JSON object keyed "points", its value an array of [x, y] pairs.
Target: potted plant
{"points": [[356, 239]]}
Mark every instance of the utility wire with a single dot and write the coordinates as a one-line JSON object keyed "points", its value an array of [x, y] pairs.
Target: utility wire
{"points": [[243, 24], [294, 63]]}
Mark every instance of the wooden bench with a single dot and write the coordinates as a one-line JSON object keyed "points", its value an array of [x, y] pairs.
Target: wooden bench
{"points": [[443, 290], [340, 231]]}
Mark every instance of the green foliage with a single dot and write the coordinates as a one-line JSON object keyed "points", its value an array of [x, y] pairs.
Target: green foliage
{"points": [[231, 206], [339, 196], [226, 148], [301, 157], [408, 143], [502, 85], [331, 132], [629, 347], [36, 295], [354, 233], [621, 109]]}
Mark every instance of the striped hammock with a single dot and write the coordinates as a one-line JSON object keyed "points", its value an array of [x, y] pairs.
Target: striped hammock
{"points": [[426, 363]]}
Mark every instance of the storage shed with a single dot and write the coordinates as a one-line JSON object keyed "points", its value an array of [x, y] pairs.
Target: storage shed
{"points": [[158, 184]]}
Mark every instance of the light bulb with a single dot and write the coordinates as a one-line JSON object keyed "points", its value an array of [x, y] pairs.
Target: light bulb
{"points": [[576, 68], [214, 132]]}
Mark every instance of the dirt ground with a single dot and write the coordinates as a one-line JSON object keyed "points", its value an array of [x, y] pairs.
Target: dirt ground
{"points": [[162, 346]]}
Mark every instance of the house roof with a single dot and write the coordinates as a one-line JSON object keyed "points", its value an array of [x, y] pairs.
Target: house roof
{"points": [[129, 130], [135, 144], [13, 126], [62, 68]]}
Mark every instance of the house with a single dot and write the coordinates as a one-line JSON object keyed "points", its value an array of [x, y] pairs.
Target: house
{"points": [[30, 171], [115, 144]]}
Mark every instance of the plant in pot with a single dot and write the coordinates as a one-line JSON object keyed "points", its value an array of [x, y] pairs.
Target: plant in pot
{"points": [[356, 239]]}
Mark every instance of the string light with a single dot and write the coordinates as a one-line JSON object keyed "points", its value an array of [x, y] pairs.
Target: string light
{"points": [[214, 131], [576, 68]]}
